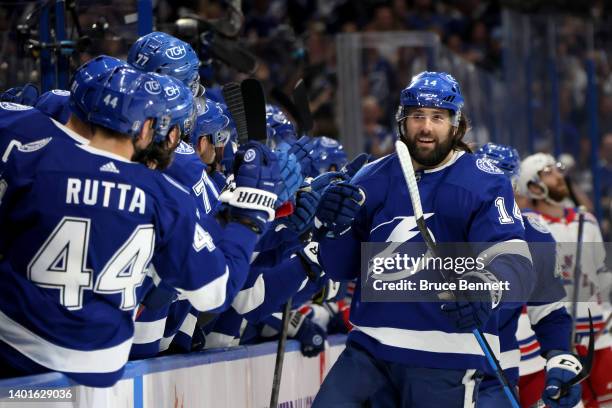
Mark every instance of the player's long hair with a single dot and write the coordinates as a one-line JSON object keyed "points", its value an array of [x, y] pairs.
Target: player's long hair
{"points": [[460, 133]]}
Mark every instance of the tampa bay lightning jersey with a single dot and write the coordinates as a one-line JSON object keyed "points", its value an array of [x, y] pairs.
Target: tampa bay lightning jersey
{"points": [[24, 124], [464, 200], [553, 323], [189, 170], [80, 229]]}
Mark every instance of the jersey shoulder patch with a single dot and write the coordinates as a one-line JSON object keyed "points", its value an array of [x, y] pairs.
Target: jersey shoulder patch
{"points": [[536, 223], [184, 148], [10, 106], [487, 166]]}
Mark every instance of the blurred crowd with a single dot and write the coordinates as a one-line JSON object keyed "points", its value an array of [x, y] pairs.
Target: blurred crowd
{"points": [[296, 39]]}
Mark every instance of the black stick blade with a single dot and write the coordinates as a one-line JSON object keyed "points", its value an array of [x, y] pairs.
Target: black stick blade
{"points": [[233, 99], [300, 99], [255, 109]]}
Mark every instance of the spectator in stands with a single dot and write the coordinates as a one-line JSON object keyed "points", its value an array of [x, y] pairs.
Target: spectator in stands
{"points": [[379, 140]]}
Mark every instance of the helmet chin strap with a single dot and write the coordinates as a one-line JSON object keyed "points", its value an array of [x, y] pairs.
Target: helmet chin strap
{"points": [[544, 195]]}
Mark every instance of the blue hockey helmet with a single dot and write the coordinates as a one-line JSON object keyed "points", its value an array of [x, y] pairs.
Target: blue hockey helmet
{"points": [[211, 120], [327, 154], [122, 99], [432, 90], [180, 103], [505, 158], [91, 71], [280, 128], [164, 54]]}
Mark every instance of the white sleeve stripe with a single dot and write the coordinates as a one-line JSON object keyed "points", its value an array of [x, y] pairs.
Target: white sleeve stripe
{"points": [[248, 299], [209, 296], [304, 282], [537, 313], [433, 341], [189, 325], [58, 358], [510, 247], [148, 332], [216, 339]]}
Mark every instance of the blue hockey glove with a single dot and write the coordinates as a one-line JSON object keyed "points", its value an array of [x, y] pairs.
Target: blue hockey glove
{"points": [[337, 209], [561, 367], [303, 215], [290, 174], [23, 95], [310, 259], [471, 310], [321, 182], [351, 168], [302, 149], [309, 334], [253, 193]]}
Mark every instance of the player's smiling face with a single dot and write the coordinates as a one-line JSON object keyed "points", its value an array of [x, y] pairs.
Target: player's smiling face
{"points": [[429, 135]]}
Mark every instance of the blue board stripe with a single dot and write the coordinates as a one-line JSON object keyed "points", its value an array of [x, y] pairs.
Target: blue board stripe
{"points": [[138, 392]]}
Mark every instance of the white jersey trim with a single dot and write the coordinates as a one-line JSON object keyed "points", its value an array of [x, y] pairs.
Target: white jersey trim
{"points": [[433, 341], [58, 358], [209, 296], [537, 313], [71, 133], [148, 332], [510, 359], [510, 247], [188, 325], [215, 340], [99, 152], [248, 299]]}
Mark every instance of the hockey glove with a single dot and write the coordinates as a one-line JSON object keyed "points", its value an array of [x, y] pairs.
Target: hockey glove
{"points": [[472, 309], [561, 367], [310, 259], [321, 182], [350, 169], [26, 95], [303, 215], [302, 149], [309, 334], [337, 209], [252, 195], [290, 174]]}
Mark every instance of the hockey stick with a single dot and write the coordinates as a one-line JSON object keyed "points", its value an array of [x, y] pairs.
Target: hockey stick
{"points": [[408, 171], [280, 350], [255, 109], [280, 355], [300, 99], [287, 104], [235, 104], [577, 272]]}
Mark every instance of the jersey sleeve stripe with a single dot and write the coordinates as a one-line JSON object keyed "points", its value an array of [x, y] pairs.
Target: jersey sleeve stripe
{"points": [[209, 296], [60, 358]]}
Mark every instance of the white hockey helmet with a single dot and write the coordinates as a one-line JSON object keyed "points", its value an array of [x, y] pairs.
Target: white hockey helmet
{"points": [[530, 167]]}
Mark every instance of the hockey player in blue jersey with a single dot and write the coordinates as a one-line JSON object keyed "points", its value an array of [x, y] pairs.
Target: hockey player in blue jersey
{"points": [[23, 124], [164, 54], [550, 320], [423, 354], [73, 277]]}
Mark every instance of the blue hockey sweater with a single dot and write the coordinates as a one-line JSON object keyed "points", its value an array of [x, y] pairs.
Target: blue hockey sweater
{"points": [[77, 239], [464, 200]]}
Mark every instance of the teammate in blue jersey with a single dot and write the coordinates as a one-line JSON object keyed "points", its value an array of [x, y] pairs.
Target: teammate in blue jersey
{"points": [[23, 124], [164, 54], [423, 354], [551, 322], [79, 235]]}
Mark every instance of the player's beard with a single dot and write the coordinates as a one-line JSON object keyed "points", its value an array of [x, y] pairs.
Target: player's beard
{"points": [[155, 156], [430, 157], [559, 191]]}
